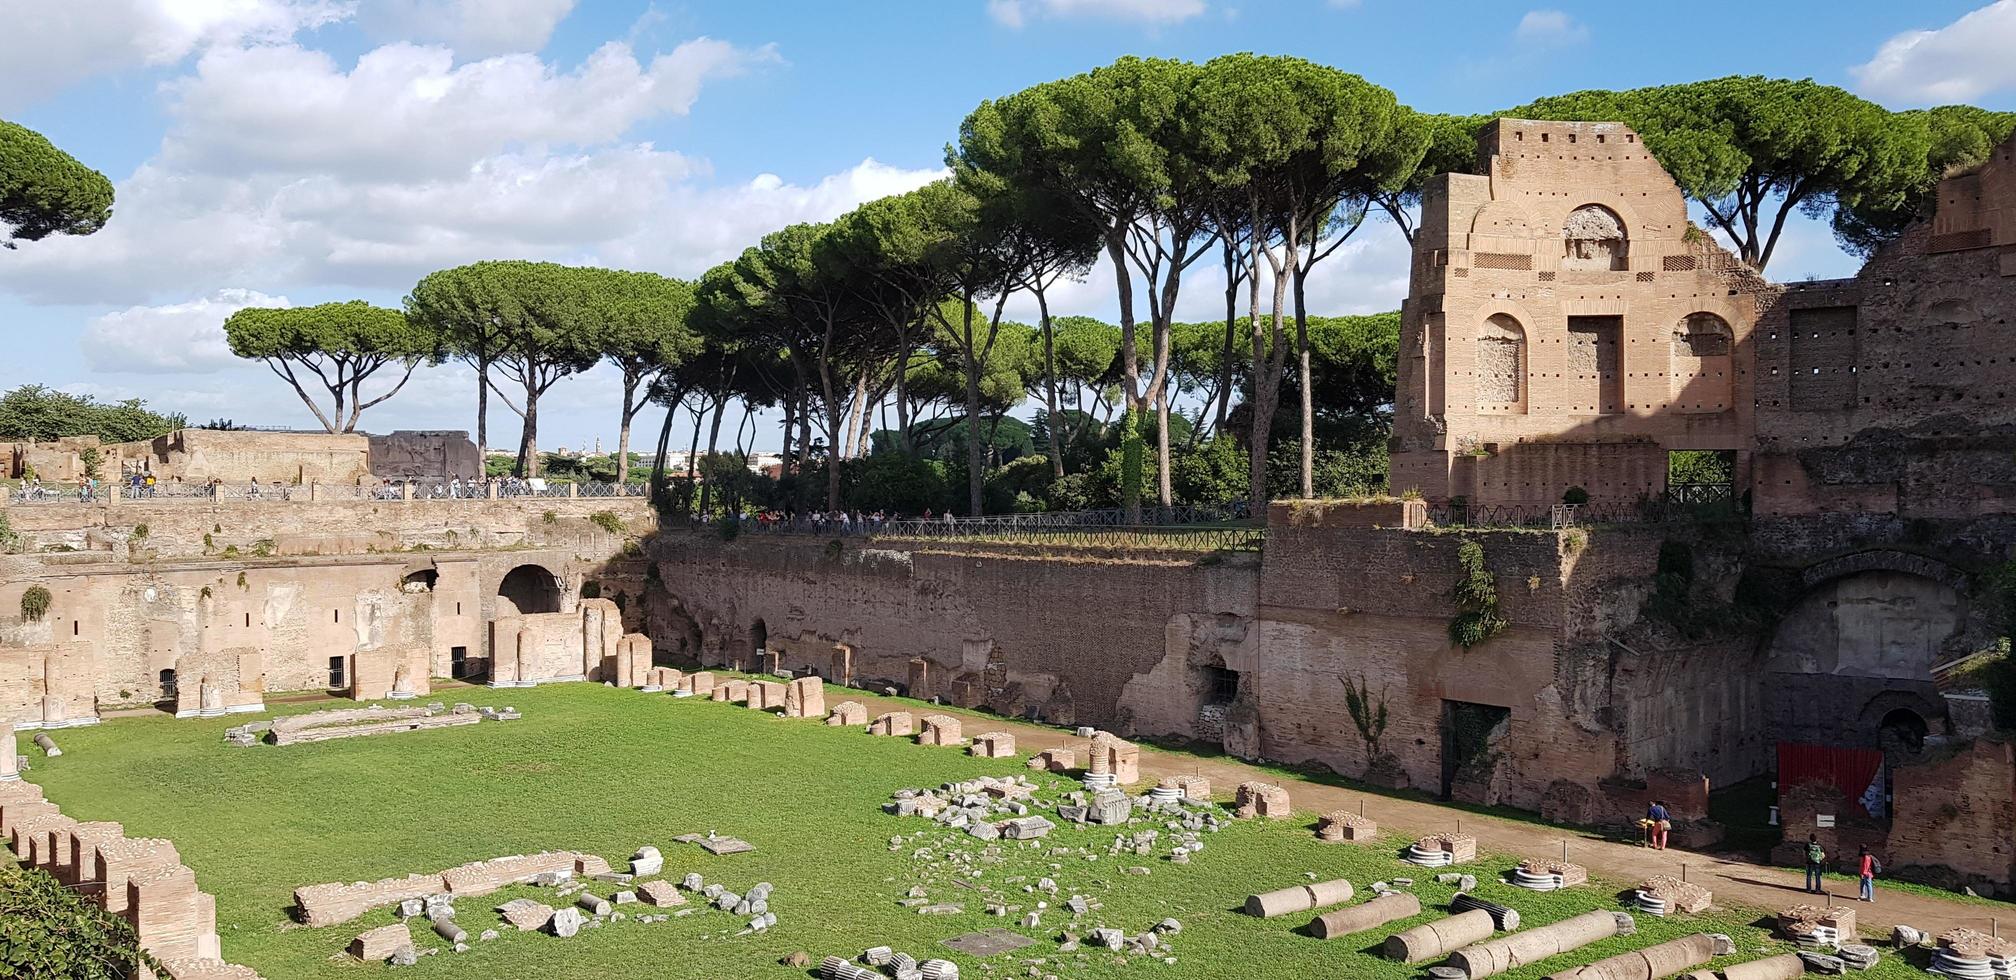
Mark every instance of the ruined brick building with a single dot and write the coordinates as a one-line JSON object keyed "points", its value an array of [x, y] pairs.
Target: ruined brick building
{"points": [[1565, 327]]}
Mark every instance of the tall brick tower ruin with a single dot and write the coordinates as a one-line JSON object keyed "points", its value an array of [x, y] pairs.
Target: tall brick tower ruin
{"points": [[1566, 327]]}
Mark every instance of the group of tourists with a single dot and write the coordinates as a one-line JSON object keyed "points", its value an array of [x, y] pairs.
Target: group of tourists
{"points": [[1659, 822]]}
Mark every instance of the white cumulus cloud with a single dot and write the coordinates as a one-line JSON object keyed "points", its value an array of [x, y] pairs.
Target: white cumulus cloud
{"points": [[173, 338], [1550, 27], [474, 28], [53, 44], [1017, 13], [1960, 62]]}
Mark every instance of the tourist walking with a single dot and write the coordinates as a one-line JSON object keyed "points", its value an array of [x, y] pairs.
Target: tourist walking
{"points": [[1870, 868], [1816, 864], [1661, 822]]}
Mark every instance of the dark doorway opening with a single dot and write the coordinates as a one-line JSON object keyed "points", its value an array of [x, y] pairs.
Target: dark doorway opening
{"points": [[1221, 685], [1469, 733], [458, 662], [168, 684], [531, 589], [337, 679], [759, 641]]}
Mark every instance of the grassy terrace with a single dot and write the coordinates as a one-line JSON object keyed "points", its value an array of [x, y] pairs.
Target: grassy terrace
{"points": [[605, 771]]}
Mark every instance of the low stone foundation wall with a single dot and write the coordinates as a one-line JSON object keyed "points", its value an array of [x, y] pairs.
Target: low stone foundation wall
{"points": [[337, 902], [142, 880]]}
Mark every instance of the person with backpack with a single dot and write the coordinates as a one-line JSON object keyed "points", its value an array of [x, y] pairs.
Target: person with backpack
{"points": [[1870, 868], [1661, 823], [1816, 864]]}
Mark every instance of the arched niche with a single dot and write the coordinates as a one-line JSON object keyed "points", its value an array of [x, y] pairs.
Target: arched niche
{"points": [[1702, 366], [1501, 365], [1593, 238]]}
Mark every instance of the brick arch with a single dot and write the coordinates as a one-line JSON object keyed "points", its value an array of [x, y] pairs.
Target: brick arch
{"points": [[1886, 560]]}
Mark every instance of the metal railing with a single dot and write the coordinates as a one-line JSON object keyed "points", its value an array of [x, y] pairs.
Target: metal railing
{"points": [[1162, 536], [1185, 528]]}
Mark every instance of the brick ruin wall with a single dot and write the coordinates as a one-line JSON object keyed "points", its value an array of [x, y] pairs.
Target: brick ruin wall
{"points": [[420, 587]]}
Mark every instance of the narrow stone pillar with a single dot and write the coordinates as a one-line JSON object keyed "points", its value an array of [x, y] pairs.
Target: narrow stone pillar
{"points": [[10, 764], [490, 489], [573, 490], [406, 490]]}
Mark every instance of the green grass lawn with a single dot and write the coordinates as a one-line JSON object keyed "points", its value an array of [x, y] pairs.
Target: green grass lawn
{"points": [[605, 771]]}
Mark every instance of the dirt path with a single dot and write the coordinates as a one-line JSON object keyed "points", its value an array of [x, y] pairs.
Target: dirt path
{"points": [[1734, 883]]}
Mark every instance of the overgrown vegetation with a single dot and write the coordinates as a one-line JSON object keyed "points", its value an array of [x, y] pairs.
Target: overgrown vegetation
{"points": [[1673, 587], [47, 930], [608, 521], [35, 412], [1476, 596], [35, 603], [8, 539], [1368, 712]]}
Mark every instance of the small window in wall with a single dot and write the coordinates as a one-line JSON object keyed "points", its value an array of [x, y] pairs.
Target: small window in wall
{"points": [[1222, 685], [1701, 476], [336, 615], [167, 680], [337, 678], [458, 662], [248, 620]]}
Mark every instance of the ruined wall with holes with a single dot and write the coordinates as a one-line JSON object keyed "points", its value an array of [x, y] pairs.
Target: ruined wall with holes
{"points": [[1562, 300], [1890, 393]]}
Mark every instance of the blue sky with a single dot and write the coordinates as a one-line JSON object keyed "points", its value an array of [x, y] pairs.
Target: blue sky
{"points": [[310, 150]]}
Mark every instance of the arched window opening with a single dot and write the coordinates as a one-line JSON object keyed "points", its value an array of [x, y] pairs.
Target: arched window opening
{"points": [[1501, 365]]}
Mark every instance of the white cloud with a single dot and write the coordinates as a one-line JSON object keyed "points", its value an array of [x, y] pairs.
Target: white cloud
{"points": [[406, 110], [1017, 13], [54, 44], [1957, 63], [474, 28], [170, 339], [1550, 27]]}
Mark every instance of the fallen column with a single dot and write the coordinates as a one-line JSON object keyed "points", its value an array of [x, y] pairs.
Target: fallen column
{"points": [[1496, 956], [1769, 968], [1434, 940], [1650, 963], [1390, 907], [1504, 917], [1298, 898]]}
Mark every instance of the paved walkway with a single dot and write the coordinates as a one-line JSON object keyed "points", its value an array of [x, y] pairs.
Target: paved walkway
{"points": [[1734, 883]]}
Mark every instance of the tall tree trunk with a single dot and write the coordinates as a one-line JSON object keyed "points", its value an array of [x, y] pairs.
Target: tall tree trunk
{"points": [[976, 466], [483, 415], [1050, 381], [1308, 462], [903, 395], [528, 440], [1163, 486], [1130, 366], [623, 433], [1231, 317], [1267, 363], [713, 433], [855, 406], [664, 444], [790, 427], [693, 446]]}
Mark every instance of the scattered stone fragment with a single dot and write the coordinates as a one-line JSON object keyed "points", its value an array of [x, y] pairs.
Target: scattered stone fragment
{"points": [[647, 861], [566, 922], [377, 945], [526, 914], [660, 893]]}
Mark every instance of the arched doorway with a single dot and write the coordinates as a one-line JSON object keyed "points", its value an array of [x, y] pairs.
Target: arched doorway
{"points": [[529, 589], [1854, 656], [1902, 733]]}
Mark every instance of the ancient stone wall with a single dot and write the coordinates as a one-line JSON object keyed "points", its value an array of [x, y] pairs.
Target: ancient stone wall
{"points": [[1003, 629], [202, 455], [424, 455], [131, 625]]}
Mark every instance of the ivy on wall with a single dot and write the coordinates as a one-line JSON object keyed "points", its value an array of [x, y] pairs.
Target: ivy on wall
{"points": [[1476, 596]]}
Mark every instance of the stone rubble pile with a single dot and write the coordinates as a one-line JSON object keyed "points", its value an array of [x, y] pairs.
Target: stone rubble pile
{"points": [[1813, 927], [1970, 954]]}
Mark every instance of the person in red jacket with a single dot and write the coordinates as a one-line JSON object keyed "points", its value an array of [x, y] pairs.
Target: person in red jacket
{"points": [[1870, 868]]}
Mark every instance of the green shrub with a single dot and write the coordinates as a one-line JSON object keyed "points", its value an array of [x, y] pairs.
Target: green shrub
{"points": [[1476, 596], [47, 930], [8, 539], [608, 521], [140, 532], [35, 603], [550, 517]]}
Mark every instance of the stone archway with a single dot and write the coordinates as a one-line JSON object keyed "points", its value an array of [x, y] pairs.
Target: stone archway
{"points": [[529, 589], [1861, 644]]}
